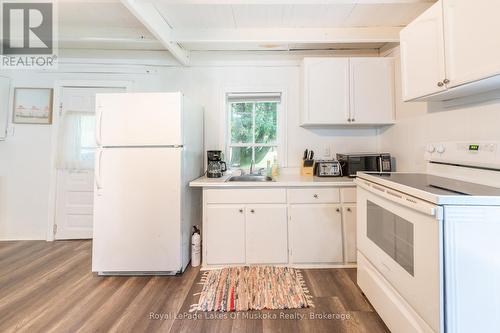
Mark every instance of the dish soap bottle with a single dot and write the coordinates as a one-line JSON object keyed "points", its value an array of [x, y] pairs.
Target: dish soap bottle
{"points": [[269, 171], [276, 168]]}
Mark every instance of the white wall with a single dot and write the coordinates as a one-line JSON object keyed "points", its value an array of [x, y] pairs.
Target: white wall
{"points": [[419, 123], [25, 156]]}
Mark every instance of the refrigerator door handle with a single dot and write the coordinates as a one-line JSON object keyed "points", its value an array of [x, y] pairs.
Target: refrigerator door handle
{"points": [[98, 132], [98, 171]]}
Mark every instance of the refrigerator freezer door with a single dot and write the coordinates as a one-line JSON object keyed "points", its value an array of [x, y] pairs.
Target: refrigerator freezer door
{"points": [[137, 210], [139, 119]]}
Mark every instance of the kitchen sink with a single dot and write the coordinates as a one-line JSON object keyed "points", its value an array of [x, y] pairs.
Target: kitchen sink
{"points": [[250, 178]]}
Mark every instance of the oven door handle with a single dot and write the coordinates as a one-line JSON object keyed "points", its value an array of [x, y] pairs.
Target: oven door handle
{"points": [[401, 198]]}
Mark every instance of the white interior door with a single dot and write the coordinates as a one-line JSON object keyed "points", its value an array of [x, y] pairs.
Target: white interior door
{"points": [[75, 174]]}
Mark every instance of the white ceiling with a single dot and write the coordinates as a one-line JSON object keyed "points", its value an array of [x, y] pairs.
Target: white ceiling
{"points": [[108, 24], [290, 16], [101, 25]]}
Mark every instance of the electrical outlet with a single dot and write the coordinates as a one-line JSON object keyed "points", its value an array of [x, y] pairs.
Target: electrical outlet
{"points": [[326, 152]]}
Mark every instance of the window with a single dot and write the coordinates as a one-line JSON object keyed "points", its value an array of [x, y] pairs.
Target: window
{"points": [[253, 129], [77, 144]]}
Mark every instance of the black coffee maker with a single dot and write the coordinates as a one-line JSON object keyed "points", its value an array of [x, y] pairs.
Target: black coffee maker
{"points": [[216, 166]]}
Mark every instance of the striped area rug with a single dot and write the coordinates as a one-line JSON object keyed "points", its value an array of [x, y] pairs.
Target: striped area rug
{"points": [[253, 288]]}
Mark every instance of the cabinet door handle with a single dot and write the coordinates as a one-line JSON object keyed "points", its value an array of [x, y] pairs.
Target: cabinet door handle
{"points": [[252, 211], [349, 120], [353, 120], [337, 210], [446, 81], [240, 210], [440, 84], [315, 196], [348, 209]]}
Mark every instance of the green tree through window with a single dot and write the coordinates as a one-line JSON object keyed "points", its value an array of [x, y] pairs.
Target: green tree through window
{"points": [[253, 132]]}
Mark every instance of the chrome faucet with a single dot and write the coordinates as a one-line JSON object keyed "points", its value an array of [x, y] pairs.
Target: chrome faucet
{"points": [[252, 166]]}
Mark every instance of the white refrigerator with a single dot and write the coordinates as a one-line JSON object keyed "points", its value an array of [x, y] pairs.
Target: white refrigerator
{"points": [[150, 146]]}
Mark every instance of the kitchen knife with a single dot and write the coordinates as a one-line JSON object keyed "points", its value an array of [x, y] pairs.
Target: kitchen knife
{"points": [[306, 152]]}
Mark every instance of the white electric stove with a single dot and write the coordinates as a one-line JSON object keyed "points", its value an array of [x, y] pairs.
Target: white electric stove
{"points": [[428, 249]]}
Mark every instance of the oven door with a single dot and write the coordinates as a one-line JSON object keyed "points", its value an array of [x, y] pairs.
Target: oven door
{"points": [[403, 243]]}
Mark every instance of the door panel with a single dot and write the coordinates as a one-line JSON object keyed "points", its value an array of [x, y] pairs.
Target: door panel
{"points": [[372, 90], [472, 47], [349, 220], [75, 187], [422, 54], [74, 204], [326, 94], [266, 234], [138, 197], [225, 234], [156, 119], [316, 233]]}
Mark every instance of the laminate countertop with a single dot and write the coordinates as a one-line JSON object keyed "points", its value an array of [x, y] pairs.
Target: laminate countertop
{"points": [[286, 179]]}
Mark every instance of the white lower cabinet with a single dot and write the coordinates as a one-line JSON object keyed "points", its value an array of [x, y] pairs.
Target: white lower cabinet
{"points": [[313, 226], [225, 234], [349, 220], [316, 233], [266, 234]]}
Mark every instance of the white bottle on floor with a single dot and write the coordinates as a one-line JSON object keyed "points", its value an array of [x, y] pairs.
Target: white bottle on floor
{"points": [[196, 247]]}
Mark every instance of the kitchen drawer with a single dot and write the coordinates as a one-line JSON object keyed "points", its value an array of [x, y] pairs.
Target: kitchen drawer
{"points": [[245, 196], [313, 195], [348, 194]]}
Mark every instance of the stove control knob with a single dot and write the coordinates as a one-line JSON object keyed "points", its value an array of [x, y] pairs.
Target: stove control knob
{"points": [[431, 149], [440, 149]]}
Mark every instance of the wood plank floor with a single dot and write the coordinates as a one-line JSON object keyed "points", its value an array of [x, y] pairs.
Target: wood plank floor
{"points": [[48, 287]]}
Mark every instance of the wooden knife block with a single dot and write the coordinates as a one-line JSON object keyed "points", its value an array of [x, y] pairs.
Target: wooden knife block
{"points": [[307, 168]]}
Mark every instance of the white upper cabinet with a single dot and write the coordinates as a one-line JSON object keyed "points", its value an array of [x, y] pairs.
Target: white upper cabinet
{"points": [[422, 55], [471, 40], [372, 90], [347, 91], [451, 51], [326, 91]]}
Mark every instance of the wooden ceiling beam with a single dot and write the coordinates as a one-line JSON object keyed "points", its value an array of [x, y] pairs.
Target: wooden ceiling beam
{"points": [[147, 13]]}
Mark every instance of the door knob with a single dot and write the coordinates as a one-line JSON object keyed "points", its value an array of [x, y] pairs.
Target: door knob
{"points": [[440, 84], [337, 210], [252, 211], [241, 210], [353, 120], [446, 81], [349, 120], [348, 209]]}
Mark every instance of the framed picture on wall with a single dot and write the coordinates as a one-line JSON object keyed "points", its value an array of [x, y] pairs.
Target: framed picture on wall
{"points": [[32, 106]]}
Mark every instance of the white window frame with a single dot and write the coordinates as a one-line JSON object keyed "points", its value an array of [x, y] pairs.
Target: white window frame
{"points": [[280, 144]]}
